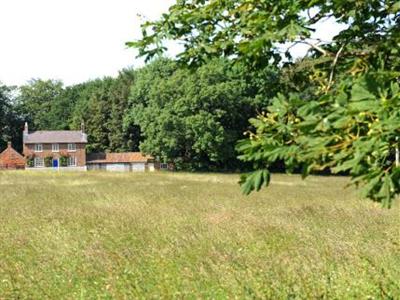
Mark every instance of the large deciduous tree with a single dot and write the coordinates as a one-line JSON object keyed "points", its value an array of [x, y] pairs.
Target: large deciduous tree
{"points": [[348, 120], [192, 118], [37, 104]]}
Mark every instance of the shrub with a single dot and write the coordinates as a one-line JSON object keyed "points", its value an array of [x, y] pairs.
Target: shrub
{"points": [[30, 161], [63, 161], [48, 161]]}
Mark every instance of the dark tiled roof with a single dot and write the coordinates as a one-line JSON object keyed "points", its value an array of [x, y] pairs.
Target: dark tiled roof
{"points": [[128, 157], [47, 137]]}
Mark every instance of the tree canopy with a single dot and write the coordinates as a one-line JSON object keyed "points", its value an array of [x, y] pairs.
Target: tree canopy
{"points": [[192, 118], [10, 122], [345, 118]]}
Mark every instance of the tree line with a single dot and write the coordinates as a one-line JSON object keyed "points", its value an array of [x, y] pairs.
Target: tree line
{"points": [[191, 117], [336, 108]]}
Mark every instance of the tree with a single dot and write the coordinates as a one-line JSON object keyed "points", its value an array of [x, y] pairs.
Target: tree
{"points": [[102, 105], [36, 104], [122, 138], [10, 123], [98, 115], [192, 118], [349, 119]]}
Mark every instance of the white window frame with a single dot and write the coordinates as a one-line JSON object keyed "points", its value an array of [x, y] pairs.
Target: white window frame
{"points": [[35, 162], [163, 166], [38, 147], [72, 147], [55, 147], [71, 161]]}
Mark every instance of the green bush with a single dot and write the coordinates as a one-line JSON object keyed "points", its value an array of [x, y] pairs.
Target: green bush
{"points": [[30, 161], [63, 161], [48, 161]]}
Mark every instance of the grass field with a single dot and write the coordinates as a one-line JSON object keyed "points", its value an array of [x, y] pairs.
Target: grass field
{"points": [[134, 236]]}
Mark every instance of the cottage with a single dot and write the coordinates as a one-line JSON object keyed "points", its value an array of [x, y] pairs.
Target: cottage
{"points": [[11, 159], [122, 162], [55, 149]]}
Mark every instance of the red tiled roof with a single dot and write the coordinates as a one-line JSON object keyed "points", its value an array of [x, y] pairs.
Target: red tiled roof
{"points": [[127, 157], [11, 157]]}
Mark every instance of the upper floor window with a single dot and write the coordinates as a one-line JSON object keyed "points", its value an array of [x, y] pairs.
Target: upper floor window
{"points": [[38, 147], [71, 147], [55, 148]]}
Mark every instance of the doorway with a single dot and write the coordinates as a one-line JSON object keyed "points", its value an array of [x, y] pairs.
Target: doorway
{"points": [[55, 163]]}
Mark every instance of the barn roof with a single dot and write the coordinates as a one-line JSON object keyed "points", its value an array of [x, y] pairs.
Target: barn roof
{"points": [[48, 137], [10, 156], [127, 157]]}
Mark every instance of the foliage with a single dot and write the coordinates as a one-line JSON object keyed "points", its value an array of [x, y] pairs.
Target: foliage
{"points": [[30, 161], [192, 118], [344, 120], [9, 120], [36, 103], [63, 160], [48, 161], [353, 130], [253, 30], [102, 104]]}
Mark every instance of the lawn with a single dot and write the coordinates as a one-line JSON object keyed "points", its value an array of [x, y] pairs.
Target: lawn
{"points": [[164, 235]]}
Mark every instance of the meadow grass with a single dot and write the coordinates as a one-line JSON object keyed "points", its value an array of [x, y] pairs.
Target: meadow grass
{"points": [[171, 235]]}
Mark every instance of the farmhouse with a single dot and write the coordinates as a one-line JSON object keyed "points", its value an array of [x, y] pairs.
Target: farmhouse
{"points": [[11, 159], [55, 149], [67, 150], [123, 162]]}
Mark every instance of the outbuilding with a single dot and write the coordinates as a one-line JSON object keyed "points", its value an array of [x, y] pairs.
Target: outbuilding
{"points": [[11, 159], [120, 162]]}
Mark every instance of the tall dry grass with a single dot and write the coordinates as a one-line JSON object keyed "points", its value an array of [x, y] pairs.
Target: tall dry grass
{"points": [[136, 236]]}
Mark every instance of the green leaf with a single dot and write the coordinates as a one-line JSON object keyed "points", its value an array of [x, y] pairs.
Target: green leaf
{"points": [[385, 191], [396, 7], [254, 181], [359, 93]]}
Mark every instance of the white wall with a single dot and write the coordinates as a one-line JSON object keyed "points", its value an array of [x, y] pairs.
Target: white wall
{"points": [[122, 167], [138, 167], [118, 167]]}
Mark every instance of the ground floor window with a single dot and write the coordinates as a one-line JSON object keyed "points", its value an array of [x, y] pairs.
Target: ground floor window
{"points": [[71, 161], [164, 166], [39, 162]]}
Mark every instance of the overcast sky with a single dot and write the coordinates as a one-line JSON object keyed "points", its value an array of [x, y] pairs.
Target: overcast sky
{"points": [[75, 40]]}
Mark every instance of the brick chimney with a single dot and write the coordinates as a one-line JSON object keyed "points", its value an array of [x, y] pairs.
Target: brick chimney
{"points": [[83, 127], [9, 145], [26, 132]]}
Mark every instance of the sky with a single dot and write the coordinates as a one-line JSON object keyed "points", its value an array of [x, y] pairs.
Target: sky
{"points": [[70, 40], [78, 40]]}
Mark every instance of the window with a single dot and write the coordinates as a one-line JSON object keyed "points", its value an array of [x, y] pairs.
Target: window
{"points": [[164, 166], [71, 147], [55, 148], [38, 147], [39, 162], [72, 161]]}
